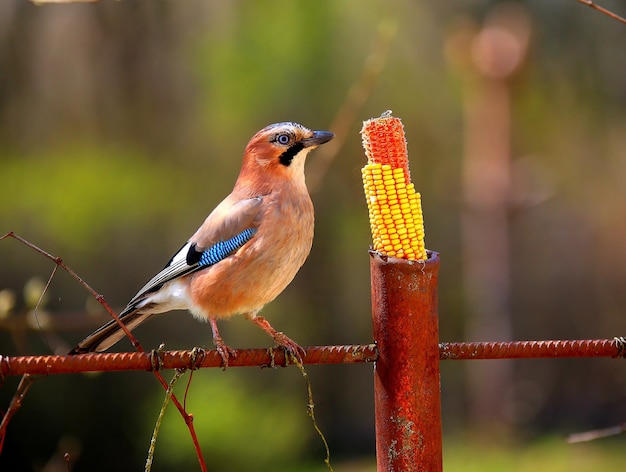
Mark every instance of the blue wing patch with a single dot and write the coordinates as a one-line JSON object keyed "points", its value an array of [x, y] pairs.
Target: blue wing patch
{"points": [[223, 249], [192, 261]]}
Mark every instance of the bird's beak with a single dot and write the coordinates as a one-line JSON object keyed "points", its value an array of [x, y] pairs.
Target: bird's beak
{"points": [[319, 137]]}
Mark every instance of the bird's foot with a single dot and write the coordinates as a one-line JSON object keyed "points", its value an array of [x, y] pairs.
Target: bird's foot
{"points": [[291, 348], [223, 350]]}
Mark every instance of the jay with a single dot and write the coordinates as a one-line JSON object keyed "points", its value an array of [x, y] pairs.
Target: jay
{"points": [[246, 252]]}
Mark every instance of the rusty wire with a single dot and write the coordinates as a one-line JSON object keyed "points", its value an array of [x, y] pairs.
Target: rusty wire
{"points": [[156, 360], [348, 354], [533, 349]]}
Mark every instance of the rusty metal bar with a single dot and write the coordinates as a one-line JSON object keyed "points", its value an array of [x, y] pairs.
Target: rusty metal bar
{"points": [[111, 362], [406, 376], [615, 347]]}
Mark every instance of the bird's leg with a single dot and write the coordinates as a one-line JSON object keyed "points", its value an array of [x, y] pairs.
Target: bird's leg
{"points": [[224, 351], [280, 339]]}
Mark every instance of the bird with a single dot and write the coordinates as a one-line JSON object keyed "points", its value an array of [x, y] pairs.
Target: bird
{"points": [[245, 253]]}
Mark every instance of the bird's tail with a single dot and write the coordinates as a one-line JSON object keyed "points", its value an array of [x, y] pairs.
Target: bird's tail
{"points": [[110, 333]]}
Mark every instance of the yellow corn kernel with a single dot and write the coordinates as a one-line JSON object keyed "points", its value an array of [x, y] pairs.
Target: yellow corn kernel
{"points": [[394, 206]]}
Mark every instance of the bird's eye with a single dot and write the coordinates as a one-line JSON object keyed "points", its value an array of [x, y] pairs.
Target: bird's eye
{"points": [[283, 139]]}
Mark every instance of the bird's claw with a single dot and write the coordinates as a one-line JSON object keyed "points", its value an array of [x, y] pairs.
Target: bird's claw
{"points": [[292, 349], [224, 351]]}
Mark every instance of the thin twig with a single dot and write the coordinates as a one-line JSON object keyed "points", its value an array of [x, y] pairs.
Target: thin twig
{"points": [[356, 97], [597, 434], [17, 399], [25, 383], [155, 432], [99, 298], [39, 302], [609, 13], [310, 409]]}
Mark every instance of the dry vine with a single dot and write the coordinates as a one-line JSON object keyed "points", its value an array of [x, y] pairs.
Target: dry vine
{"points": [[28, 379]]}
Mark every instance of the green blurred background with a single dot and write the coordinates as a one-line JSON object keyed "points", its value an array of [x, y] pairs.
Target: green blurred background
{"points": [[123, 123]]}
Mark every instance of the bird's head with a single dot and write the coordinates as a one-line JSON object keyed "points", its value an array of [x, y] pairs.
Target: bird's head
{"points": [[279, 151]]}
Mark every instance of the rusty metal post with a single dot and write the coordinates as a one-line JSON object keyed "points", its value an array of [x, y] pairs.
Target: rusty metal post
{"points": [[406, 374]]}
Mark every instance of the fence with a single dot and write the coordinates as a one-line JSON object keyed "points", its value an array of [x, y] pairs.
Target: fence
{"points": [[406, 356]]}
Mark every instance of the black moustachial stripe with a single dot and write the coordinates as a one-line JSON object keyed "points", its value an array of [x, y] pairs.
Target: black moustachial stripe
{"points": [[287, 156]]}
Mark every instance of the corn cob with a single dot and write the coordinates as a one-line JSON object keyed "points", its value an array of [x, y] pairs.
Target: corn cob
{"points": [[395, 208]]}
